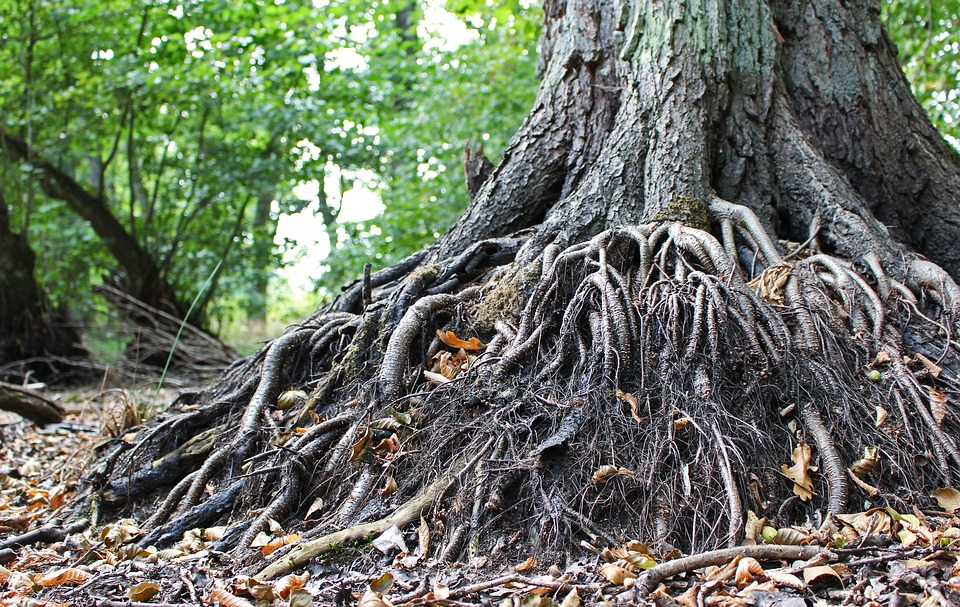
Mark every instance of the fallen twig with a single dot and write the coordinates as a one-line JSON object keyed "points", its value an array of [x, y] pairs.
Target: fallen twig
{"points": [[404, 515], [102, 602], [651, 578], [48, 534]]}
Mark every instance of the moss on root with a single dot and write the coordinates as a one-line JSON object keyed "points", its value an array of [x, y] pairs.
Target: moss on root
{"points": [[688, 211]]}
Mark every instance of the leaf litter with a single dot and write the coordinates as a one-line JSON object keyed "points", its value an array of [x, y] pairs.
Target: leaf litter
{"points": [[880, 556]]}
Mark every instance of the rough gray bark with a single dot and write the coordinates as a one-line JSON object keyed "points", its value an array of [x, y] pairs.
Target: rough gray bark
{"points": [[794, 110]]}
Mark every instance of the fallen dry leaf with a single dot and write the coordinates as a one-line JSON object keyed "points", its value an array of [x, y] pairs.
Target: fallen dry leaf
{"points": [[747, 570], [279, 542], [605, 472], [59, 577], [948, 498], [881, 416], [866, 464], [228, 600], [799, 472], [143, 591], [283, 586], [616, 574], [813, 573], [530, 563], [572, 599], [928, 364], [300, 598], [938, 405]]}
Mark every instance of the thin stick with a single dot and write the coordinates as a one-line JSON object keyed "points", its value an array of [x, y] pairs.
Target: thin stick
{"points": [[651, 578]]}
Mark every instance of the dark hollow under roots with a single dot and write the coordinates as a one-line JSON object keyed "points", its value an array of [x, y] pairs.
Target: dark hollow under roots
{"points": [[647, 384]]}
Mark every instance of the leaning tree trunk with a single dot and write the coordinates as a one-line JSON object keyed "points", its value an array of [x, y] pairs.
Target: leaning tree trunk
{"points": [[36, 339], [696, 247]]}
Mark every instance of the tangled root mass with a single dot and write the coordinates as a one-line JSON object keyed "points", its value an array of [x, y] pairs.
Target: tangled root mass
{"points": [[651, 387]]}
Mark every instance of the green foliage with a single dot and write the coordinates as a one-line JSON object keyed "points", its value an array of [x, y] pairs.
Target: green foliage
{"points": [[927, 35], [195, 120], [182, 116], [433, 96]]}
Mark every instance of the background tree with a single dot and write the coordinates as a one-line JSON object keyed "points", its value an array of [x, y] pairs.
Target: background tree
{"points": [[180, 132], [32, 330]]}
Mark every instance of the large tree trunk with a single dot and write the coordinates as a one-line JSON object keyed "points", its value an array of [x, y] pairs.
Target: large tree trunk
{"points": [[655, 354], [35, 337]]}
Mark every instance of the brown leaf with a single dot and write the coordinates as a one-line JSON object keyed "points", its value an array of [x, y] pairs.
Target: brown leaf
{"points": [[283, 586], [769, 285], [423, 537], [866, 464], [530, 563], [143, 591], [882, 357], [747, 569], [881, 416], [389, 486], [300, 598], [59, 577], [436, 379], [822, 571], [382, 584], [948, 498], [631, 401], [471, 345], [572, 599], [789, 580], [799, 472], [373, 599], [938, 405], [607, 471], [616, 574], [388, 445], [228, 600], [928, 364]]}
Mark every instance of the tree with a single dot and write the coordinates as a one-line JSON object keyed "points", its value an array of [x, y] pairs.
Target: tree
{"points": [[31, 329], [723, 239]]}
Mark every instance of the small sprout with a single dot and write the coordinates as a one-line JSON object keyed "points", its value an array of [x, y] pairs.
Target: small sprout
{"points": [[875, 375]]}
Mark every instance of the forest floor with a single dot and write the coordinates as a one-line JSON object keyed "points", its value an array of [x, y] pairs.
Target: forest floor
{"points": [[891, 558]]}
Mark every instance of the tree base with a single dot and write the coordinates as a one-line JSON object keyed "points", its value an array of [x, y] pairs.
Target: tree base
{"points": [[657, 384]]}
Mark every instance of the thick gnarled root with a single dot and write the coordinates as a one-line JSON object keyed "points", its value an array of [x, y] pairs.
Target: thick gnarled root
{"points": [[654, 374]]}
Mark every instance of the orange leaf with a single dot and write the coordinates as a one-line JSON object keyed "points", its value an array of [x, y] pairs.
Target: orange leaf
{"points": [[471, 345], [360, 447], [284, 585], [747, 569], [279, 542], [530, 563]]}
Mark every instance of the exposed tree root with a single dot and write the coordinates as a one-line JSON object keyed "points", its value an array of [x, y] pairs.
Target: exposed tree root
{"points": [[404, 515], [632, 389]]}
